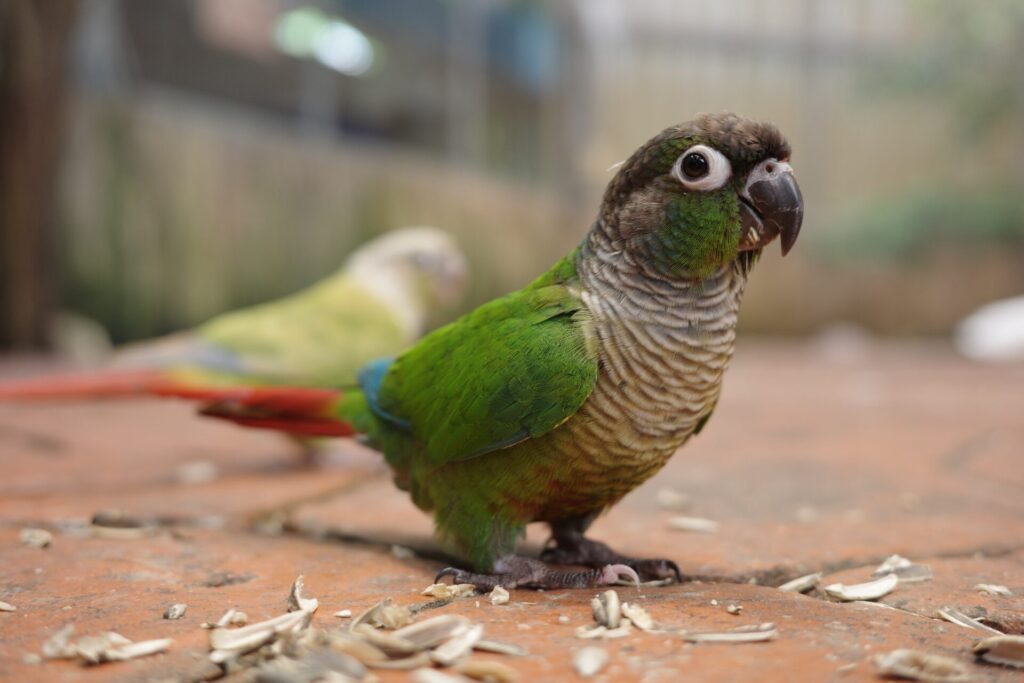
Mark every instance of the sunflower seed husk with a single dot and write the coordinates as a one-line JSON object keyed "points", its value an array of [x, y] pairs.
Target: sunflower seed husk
{"points": [[354, 646], [369, 615], [607, 609], [801, 584], [420, 659], [697, 524], [734, 609], [430, 632], [433, 676], [58, 645], [623, 630], [955, 616], [589, 660], [905, 570], [871, 590], [993, 589], [175, 611], [499, 596], [250, 637], [745, 634], [458, 647], [296, 602], [1001, 649], [36, 538], [444, 591], [393, 617], [921, 666], [488, 670], [343, 614], [498, 647], [591, 632], [389, 643], [671, 499], [638, 616], [7, 607], [113, 647]]}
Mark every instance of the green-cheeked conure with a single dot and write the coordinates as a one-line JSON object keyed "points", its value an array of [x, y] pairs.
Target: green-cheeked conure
{"points": [[552, 403], [377, 304]]}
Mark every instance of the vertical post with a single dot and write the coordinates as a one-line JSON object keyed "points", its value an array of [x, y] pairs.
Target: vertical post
{"points": [[34, 41]]}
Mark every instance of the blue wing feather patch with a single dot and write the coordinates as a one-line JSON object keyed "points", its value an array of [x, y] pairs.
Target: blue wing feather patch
{"points": [[371, 377]]}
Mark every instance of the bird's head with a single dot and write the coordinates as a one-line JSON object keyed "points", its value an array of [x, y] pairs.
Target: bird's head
{"points": [[698, 195], [423, 261]]}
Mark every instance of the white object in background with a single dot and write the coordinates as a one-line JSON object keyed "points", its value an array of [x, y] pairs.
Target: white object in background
{"points": [[994, 332]]}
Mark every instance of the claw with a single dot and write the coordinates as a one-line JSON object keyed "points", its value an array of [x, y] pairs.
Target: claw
{"points": [[446, 572], [611, 573]]}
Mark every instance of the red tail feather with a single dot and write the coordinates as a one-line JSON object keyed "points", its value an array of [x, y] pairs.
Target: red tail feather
{"points": [[85, 385], [301, 411], [304, 412]]}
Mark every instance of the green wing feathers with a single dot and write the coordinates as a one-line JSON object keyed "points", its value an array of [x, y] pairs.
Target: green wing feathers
{"points": [[513, 369]]}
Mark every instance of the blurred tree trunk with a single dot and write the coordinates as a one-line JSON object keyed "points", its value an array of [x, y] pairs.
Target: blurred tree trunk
{"points": [[34, 39]]}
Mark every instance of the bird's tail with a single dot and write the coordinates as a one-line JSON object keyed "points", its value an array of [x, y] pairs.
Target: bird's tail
{"points": [[85, 385], [295, 410]]}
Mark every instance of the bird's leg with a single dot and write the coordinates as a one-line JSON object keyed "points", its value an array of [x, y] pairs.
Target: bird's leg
{"points": [[571, 547], [513, 571]]}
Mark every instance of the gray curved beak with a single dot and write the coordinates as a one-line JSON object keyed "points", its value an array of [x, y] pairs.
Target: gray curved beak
{"points": [[771, 205]]}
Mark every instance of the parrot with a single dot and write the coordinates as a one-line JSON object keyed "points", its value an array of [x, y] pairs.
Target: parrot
{"points": [[553, 402], [378, 303]]}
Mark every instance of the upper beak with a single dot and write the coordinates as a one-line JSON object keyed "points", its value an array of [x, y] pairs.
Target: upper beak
{"points": [[770, 205]]}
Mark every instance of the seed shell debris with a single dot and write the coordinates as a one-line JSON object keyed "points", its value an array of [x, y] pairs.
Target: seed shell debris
{"points": [[175, 611], [921, 666], [7, 607], [638, 616], [108, 646], [499, 596], [589, 661], [801, 584], [488, 670], [905, 570], [433, 676], [871, 590], [607, 609], [457, 647], [343, 614], [955, 616], [745, 634], [36, 538], [697, 524], [296, 601], [444, 591], [993, 589], [734, 609], [1001, 649], [433, 631]]}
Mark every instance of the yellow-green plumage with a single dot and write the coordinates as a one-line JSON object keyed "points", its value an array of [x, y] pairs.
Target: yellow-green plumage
{"points": [[376, 305]]}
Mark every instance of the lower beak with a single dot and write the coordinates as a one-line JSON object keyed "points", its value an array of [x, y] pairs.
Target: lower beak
{"points": [[770, 205]]}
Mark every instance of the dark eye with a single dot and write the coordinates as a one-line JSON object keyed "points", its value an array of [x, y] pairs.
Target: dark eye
{"points": [[695, 165], [701, 168]]}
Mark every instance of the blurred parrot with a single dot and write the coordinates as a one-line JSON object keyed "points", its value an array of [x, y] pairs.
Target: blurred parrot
{"points": [[377, 303], [553, 402]]}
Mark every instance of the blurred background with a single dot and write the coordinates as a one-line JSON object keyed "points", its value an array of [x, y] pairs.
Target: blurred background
{"points": [[162, 161]]}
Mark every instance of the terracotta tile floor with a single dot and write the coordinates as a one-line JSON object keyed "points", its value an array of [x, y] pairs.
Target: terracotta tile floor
{"points": [[811, 463]]}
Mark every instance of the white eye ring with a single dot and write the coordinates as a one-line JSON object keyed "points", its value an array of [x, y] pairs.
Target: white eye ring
{"points": [[719, 170]]}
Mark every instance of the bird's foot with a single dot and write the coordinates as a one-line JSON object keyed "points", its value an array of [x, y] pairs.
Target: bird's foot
{"points": [[514, 571], [588, 553]]}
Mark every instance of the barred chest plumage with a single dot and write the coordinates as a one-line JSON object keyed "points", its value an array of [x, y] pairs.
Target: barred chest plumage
{"points": [[664, 346]]}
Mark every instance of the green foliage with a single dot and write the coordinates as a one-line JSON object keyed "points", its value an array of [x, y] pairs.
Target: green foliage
{"points": [[897, 228]]}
